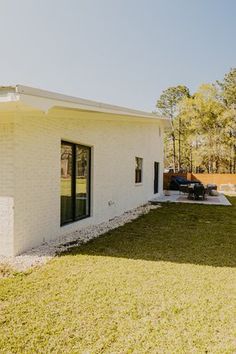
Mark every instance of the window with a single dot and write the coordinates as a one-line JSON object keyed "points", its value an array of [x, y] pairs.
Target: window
{"points": [[138, 169], [75, 182]]}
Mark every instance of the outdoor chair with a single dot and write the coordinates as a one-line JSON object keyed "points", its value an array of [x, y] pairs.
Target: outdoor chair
{"points": [[199, 191], [211, 189]]}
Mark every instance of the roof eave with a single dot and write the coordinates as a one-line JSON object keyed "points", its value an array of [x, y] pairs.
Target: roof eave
{"points": [[45, 100]]}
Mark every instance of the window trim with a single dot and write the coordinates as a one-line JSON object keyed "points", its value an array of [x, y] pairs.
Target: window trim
{"points": [[73, 184], [141, 181]]}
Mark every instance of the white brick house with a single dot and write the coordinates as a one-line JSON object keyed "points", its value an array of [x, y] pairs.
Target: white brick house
{"points": [[66, 163]]}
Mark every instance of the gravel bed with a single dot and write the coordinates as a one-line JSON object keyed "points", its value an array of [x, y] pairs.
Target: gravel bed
{"points": [[42, 254]]}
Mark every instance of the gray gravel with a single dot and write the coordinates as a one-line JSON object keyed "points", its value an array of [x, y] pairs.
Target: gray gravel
{"points": [[42, 254]]}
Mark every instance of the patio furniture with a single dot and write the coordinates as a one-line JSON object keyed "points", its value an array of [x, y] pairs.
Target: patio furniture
{"points": [[184, 188], [197, 191], [177, 181], [211, 188], [214, 193]]}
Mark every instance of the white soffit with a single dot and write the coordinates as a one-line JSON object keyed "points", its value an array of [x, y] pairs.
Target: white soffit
{"points": [[45, 100]]}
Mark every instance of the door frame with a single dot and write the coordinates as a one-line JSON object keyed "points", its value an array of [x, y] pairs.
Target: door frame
{"points": [[156, 176]]}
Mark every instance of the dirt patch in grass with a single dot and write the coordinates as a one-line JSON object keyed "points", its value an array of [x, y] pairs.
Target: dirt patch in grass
{"points": [[5, 270], [164, 283]]}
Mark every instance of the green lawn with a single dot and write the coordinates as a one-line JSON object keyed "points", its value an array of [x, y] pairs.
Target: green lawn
{"points": [[165, 283]]}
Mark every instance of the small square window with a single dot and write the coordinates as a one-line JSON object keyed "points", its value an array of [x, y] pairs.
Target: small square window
{"points": [[138, 169]]}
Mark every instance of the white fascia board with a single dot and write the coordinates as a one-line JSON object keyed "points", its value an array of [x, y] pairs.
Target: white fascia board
{"points": [[45, 100]]}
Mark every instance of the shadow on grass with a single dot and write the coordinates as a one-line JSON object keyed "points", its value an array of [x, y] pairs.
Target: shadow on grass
{"points": [[181, 233]]}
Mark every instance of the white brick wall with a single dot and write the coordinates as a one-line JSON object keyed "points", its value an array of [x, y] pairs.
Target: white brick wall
{"points": [[115, 142], [6, 226], [6, 185], [6, 156]]}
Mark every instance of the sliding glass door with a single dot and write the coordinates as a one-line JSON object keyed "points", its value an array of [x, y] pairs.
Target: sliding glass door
{"points": [[75, 182], [82, 181], [66, 183]]}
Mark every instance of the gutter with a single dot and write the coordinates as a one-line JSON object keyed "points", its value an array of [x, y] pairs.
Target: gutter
{"points": [[45, 100]]}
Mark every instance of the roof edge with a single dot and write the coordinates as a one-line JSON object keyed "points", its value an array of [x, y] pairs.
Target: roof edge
{"points": [[21, 90]]}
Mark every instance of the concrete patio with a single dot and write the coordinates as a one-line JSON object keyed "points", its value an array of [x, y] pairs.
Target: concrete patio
{"points": [[177, 197]]}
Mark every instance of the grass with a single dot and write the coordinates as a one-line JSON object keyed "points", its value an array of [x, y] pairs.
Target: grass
{"points": [[165, 283], [6, 271]]}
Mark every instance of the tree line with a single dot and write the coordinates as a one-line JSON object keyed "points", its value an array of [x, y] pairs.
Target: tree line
{"points": [[202, 137]]}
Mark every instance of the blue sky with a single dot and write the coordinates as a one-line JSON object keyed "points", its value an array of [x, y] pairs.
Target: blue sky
{"points": [[117, 51]]}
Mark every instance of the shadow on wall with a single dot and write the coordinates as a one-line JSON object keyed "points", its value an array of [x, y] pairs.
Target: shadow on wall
{"points": [[181, 233]]}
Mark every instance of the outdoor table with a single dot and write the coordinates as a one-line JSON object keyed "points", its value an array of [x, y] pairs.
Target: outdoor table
{"points": [[183, 188]]}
